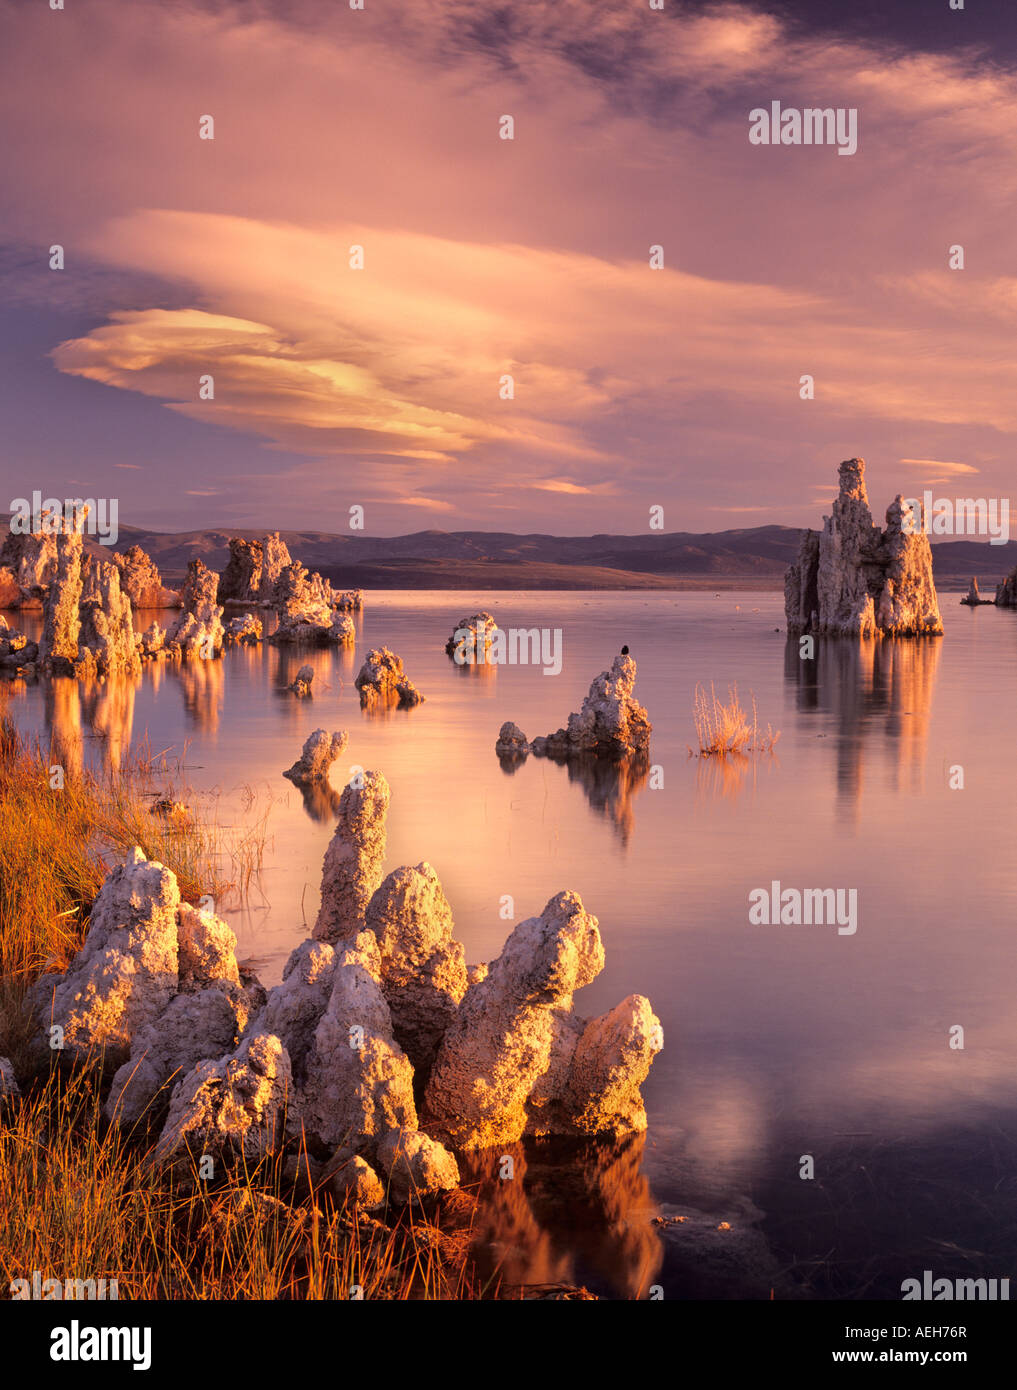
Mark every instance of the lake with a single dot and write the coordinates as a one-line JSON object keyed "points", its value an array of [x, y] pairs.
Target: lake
{"points": [[781, 1041]]}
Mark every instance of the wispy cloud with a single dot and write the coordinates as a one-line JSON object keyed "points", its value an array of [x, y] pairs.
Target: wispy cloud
{"points": [[526, 259]]}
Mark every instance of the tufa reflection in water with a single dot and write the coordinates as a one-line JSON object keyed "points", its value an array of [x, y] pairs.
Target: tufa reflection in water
{"points": [[611, 784], [868, 689], [572, 1212]]}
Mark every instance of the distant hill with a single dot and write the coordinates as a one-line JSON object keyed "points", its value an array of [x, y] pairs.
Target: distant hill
{"points": [[757, 556]]}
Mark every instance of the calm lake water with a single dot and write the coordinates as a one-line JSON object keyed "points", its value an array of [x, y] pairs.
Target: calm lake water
{"points": [[780, 1041]]}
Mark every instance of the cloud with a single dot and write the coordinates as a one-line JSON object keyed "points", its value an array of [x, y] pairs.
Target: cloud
{"points": [[432, 503], [940, 466], [487, 258], [561, 485]]}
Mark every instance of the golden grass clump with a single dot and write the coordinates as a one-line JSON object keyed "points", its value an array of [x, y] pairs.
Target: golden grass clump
{"points": [[724, 728], [80, 1200]]}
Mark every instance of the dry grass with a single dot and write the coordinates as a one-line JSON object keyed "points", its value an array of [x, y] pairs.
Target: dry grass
{"points": [[725, 728], [80, 1200], [57, 844]]}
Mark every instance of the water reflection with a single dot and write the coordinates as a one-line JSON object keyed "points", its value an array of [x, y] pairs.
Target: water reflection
{"points": [[321, 801], [109, 707], [611, 785], [287, 660], [201, 684], [62, 712], [727, 777], [572, 1212], [867, 689]]}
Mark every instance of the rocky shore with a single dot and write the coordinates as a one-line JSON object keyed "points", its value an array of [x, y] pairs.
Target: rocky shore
{"points": [[381, 1054]]}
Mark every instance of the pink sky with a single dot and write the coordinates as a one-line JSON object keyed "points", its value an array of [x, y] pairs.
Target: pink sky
{"points": [[380, 387]]}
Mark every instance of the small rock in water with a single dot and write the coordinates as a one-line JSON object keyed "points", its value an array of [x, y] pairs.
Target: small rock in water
{"points": [[382, 680], [512, 741], [302, 684], [320, 752], [612, 723]]}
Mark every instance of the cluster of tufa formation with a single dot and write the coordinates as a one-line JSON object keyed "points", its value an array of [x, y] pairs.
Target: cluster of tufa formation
{"points": [[106, 637], [304, 604], [611, 724], [198, 631], [88, 626], [471, 639], [28, 565], [140, 580], [243, 630], [382, 681], [380, 1052], [88, 616], [252, 570], [153, 987], [854, 580]]}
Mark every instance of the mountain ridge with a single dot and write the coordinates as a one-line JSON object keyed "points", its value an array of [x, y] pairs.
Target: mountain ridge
{"points": [[504, 559]]}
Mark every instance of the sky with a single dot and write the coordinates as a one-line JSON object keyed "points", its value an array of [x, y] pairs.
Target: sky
{"points": [[382, 387]]}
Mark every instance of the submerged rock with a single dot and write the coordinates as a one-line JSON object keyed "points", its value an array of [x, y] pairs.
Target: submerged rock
{"points": [[382, 681], [320, 752], [353, 861], [612, 723], [855, 580]]}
